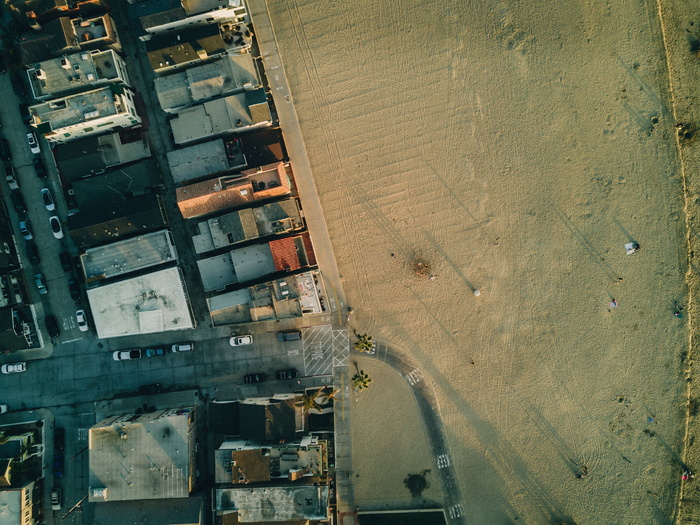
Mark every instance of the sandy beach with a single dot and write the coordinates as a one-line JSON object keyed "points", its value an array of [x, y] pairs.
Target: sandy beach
{"points": [[515, 148]]}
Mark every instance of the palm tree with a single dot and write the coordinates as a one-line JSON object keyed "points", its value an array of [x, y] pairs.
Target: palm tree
{"points": [[361, 381], [364, 343], [308, 401], [330, 394]]}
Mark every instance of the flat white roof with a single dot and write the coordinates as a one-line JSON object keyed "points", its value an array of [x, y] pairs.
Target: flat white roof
{"points": [[151, 303]]}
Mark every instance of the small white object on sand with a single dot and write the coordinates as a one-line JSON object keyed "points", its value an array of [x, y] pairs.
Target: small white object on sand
{"points": [[631, 247], [477, 292]]}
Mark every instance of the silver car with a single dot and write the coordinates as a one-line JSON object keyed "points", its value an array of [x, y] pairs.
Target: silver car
{"points": [[13, 368]]}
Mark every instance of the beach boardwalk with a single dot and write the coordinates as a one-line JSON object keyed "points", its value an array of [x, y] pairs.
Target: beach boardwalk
{"points": [[324, 349]]}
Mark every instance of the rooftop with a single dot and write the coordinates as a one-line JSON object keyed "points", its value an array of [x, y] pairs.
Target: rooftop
{"points": [[72, 72], [207, 158], [224, 115], [271, 504], [11, 504], [55, 38], [93, 155], [129, 255], [78, 108], [181, 511], [151, 303], [197, 43], [218, 194], [230, 74], [137, 457]]}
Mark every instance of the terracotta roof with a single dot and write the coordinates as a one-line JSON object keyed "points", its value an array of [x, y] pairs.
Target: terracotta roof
{"points": [[310, 255], [203, 198], [249, 466], [284, 254]]}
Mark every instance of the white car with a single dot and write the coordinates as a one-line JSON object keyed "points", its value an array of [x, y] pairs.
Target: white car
{"points": [[182, 347], [33, 144], [56, 499], [13, 368], [10, 178], [126, 355], [56, 227], [48, 199], [82, 320], [241, 340], [4, 409]]}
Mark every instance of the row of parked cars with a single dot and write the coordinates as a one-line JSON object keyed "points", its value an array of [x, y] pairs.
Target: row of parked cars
{"points": [[153, 351]]}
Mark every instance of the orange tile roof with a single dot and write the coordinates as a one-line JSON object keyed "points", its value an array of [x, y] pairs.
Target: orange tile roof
{"points": [[284, 254], [310, 255]]}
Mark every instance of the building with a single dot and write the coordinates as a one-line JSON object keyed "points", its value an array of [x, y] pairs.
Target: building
{"points": [[143, 456], [182, 511], [225, 193], [169, 53], [242, 462], [16, 505], [206, 159], [94, 155], [287, 297], [244, 225], [231, 114], [288, 504], [153, 17], [151, 303], [232, 74], [65, 35], [77, 72], [34, 13], [128, 256], [252, 262], [18, 447], [83, 114]]}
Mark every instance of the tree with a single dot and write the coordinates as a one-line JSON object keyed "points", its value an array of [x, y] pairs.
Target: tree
{"points": [[364, 343], [308, 401], [361, 381], [330, 394]]}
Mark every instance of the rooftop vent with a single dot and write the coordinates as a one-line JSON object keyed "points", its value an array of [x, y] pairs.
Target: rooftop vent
{"points": [[65, 64]]}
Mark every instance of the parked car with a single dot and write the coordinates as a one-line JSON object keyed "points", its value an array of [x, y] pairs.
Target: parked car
{"points": [[25, 227], [254, 378], [13, 368], [18, 202], [56, 499], [33, 253], [58, 465], [56, 227], [241, 340], [59, 439], [40, 283], [150, 389], [11, 178], [5, 153], [289, 335], [74, 289], [48, 199], [289, 373], [82, 320], [4, 408], [125, 355], [39, 168], [66, 261], [155, 351], [52, 326], [182, 347], [33, 143], [24, 113]]}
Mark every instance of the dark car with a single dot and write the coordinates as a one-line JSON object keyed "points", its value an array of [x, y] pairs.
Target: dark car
{"points": [[59, 439], [5, 153], [39, 168], [58, 465], [289, 335], [66, 261], [155, 351], [24, 113], [18, 202], [52, 326], [18, 85], [254, 378], [74, 289], [150, 389], [289, 373], [33, 253]]}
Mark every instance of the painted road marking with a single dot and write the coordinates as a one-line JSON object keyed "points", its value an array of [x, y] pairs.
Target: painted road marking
{"points": [[443, 460], [69, 322], [456, 511], [414, 376]]}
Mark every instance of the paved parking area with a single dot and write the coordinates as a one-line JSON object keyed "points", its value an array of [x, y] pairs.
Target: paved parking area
{"points": [[324, 348]]}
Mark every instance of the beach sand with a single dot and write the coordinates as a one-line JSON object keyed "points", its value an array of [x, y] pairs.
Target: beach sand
{"points": [[515, 147]]}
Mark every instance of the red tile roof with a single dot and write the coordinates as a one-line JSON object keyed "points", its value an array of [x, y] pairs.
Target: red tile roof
{"points": [[310, 255], [284, 254]]}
